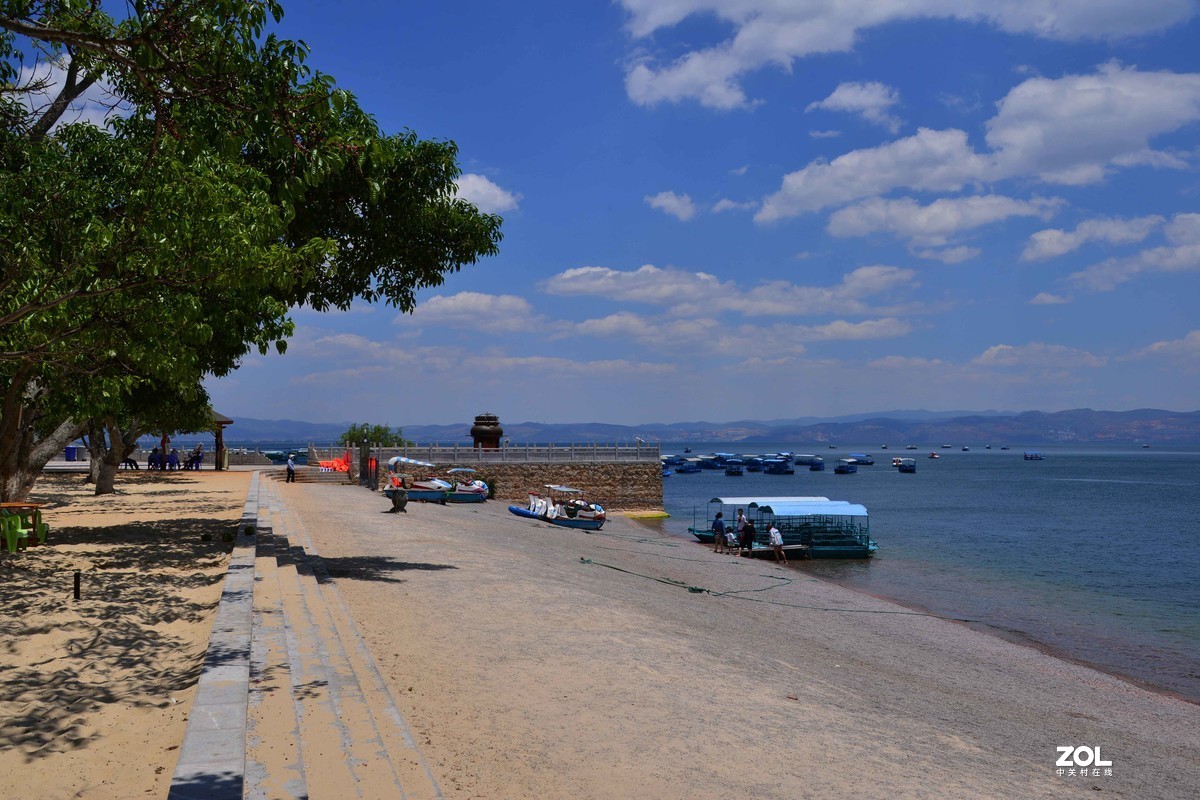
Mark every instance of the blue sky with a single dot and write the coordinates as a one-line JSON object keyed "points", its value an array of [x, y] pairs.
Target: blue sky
{"points": [[733, 209]]}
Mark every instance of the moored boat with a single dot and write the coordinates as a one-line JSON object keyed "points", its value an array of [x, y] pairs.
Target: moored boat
{"points": [[907, 465], [845, 466], [821, 527], [564, 507], [469, 491]]}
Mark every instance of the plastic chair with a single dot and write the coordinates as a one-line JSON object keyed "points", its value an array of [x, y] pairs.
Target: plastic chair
{"points": [[14, 534]]}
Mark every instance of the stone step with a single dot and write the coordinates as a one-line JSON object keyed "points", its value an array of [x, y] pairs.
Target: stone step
{"points": [[335, 731]]}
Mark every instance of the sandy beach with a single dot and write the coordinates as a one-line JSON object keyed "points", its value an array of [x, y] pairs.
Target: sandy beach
{"points": [[532, 661], [95, 692]]}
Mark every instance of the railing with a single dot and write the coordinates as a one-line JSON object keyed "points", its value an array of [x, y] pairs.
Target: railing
{"points": [[510, 454]]}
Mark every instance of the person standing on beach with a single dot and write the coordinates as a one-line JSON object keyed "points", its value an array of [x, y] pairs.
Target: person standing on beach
{"points": [[291, 468], [741, 523], [746, 540], [776, 540], [718, 529]]}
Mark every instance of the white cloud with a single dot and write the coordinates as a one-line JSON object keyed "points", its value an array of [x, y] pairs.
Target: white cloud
{"points": [[774, 33], [949, 255], [906, 363], [1187, 348], [1056, 242], [1184, 229], [679, 206], [1037, 355], [724, 204], [698, 293], [503, 313], [1071, 130], [1074, 129], [1048, 299], [929, 160], [871, 101], [485, 195], [824, 134], [1111, 273], [934, 224]]}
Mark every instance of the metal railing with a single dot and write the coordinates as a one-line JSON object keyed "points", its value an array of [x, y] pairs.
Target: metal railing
{"points": [[510, 454]]}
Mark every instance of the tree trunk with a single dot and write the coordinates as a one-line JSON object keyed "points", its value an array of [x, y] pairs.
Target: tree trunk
{"points": [[120, 445], [22, 453]]}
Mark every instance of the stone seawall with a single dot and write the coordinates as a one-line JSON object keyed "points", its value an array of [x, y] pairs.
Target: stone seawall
{"points": [[617, 487]]}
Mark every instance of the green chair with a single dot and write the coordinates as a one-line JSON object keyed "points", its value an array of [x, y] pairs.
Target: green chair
{"points": [[15, 536]]}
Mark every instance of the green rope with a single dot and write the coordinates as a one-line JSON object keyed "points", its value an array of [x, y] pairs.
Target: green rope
{"points": [[737, 594]]}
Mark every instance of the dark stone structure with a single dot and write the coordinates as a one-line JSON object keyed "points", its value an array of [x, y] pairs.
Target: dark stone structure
{"points": [[487, 432]]}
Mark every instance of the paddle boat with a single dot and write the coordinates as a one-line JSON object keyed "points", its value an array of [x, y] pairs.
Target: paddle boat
{"points": [[564, 507], [466, 489], [429, 490]]}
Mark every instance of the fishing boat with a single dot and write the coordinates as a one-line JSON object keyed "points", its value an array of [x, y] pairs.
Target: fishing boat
{"points": [[907, 465], [564, 507], [817, 526], [845, 466]]}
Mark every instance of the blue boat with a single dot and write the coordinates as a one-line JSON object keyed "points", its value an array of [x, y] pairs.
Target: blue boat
{"points": [[688, 467], [862, 459], [845, 466], [1033, 455], [777, 466], [564, 508], [826, 528], [734, 467], [907, 465], [816, 465]]}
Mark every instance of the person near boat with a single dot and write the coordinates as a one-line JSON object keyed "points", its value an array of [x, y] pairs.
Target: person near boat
{"points": [[776, 540], [746, 543], [718, 529]]}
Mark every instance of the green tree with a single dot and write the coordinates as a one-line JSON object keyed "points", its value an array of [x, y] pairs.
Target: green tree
{"points": [[139, 258], [382, 435]]}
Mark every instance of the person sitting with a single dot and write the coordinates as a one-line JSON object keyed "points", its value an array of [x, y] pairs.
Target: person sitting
{"points": [[154, 460], [173, 459]]}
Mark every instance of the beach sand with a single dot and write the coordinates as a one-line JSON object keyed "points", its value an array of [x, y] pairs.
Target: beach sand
{"points": [[537, 662], [95, 692], [534, 661]]}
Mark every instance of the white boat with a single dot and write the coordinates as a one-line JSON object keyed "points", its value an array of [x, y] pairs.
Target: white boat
{"points": [[564, 507]]}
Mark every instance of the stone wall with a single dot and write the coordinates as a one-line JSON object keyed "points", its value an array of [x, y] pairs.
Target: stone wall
{"points": [[617, 487]]}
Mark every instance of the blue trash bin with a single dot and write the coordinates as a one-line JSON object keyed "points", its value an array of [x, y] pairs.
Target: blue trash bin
{"points": [[69, 453]]}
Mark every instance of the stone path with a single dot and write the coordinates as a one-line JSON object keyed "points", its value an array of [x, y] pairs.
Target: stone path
{"points": [[290, 703]]}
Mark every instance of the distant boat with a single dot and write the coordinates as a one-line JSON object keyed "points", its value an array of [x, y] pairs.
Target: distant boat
{"points": [[846, 466], [907, 465], [688, 467], [687, 449], [816, 465], [777, 466], [966, 449], [910, 447], [862, 458], [945, 447], [934, 455], [1033, 455], [734, 467], [1005, 447], [883, 447]]}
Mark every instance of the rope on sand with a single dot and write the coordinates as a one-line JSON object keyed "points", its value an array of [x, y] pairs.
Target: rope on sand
{"points": [[736, 594]]}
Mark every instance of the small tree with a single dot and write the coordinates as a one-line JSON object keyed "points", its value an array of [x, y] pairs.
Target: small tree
{"points": [[382, 435]]}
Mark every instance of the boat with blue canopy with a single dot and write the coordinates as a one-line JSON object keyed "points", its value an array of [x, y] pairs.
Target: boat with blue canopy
{"points": [[826, 528]]}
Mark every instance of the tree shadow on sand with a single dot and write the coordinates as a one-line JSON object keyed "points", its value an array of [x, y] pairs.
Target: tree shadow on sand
{"points": [[370, 568], [71, 658]]}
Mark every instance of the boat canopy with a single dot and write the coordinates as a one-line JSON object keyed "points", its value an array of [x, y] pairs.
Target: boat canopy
{"points": [[757, 502], [403, 460], [829, 508]]}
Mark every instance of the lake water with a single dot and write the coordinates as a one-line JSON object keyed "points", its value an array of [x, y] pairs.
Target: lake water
{"points": [[1092, 554]]}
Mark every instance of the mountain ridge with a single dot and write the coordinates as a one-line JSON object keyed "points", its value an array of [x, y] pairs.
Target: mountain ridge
{"points": [[1146, 426]]}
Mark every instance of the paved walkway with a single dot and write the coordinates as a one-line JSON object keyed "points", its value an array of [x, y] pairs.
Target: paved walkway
{"points": [[290, 703]]}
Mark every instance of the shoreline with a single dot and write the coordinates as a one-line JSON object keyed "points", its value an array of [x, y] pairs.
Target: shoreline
{"points": [[1011, 635]]}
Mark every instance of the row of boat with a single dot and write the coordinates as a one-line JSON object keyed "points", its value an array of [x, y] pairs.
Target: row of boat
{"points": [[458, 488]]}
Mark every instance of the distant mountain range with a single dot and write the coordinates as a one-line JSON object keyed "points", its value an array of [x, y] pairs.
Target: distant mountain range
{"points": [[1142, 426]]}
